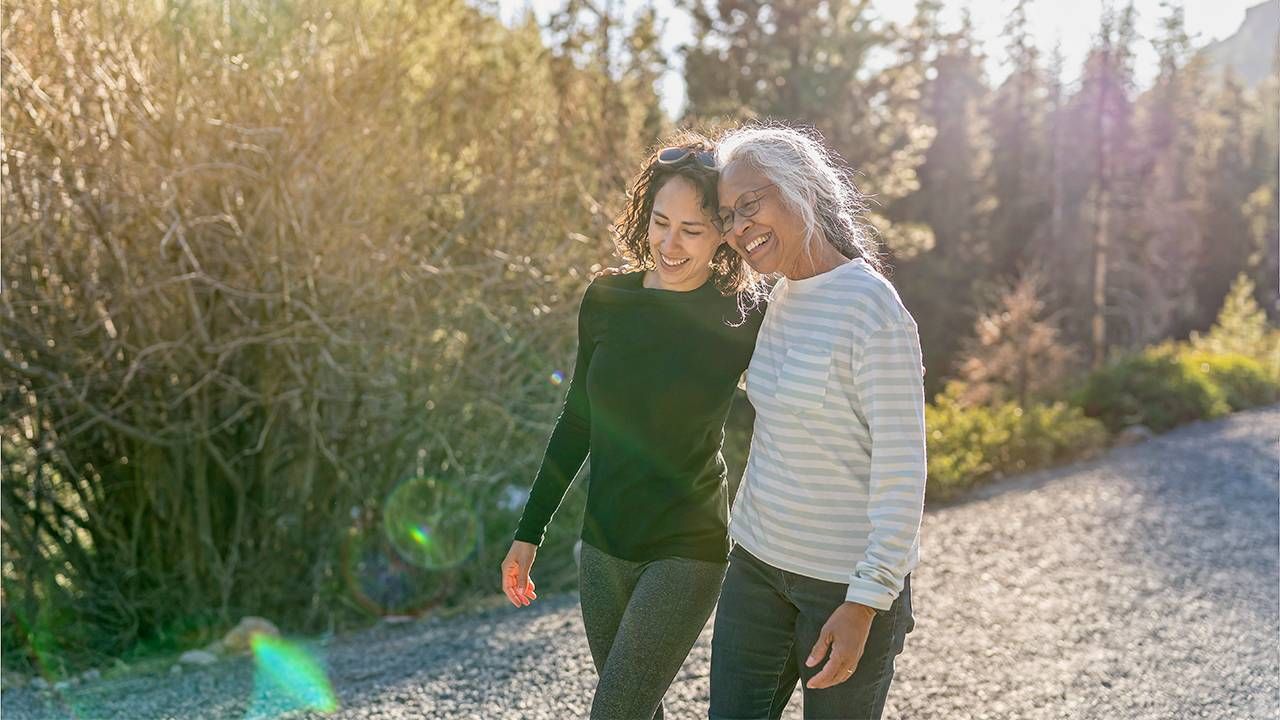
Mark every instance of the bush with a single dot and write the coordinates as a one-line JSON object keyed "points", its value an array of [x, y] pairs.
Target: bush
{"points": [[1155, 388], [263, 261], [971, 444], [1242, 381], [1242, 329]]}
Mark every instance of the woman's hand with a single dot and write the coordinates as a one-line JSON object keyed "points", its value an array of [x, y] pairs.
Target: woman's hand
{"points": [[515, 573], [845, 635]]}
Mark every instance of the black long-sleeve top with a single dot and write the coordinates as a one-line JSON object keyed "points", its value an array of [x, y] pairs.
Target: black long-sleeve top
{"points": [[655, 376]]}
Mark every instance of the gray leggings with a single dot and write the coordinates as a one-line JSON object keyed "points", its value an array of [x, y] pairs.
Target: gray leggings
{"points": [[642, 618]]}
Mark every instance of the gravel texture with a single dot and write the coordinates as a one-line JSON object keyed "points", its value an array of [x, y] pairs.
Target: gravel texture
{"points": [[1143, 584]]}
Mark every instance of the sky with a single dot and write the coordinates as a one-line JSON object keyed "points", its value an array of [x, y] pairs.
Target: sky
{"points": [[1067, 23]]}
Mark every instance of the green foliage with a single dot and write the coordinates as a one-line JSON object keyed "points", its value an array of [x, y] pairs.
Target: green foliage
{"points": [[1242, 329], [1156, 388], [1242, 381], [975, 435], [264, 261], [969, 444]]}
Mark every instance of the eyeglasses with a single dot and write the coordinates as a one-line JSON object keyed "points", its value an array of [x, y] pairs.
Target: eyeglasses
{"points": [[675, 155], [747, 206]]}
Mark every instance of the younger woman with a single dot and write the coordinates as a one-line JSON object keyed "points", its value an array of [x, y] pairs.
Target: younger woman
{"points": [[660, 354]]}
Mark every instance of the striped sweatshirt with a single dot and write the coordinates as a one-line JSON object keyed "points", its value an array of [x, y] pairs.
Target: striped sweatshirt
{"points": [[834, 485]]}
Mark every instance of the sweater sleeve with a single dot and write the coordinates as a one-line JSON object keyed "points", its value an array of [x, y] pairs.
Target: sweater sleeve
{"points": [[890, 389], [568, 447]]}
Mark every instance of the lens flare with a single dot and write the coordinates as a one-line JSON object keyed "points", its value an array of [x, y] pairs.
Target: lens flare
{"points": [[382, 583], [421, 536], [44, 650], [431, 524], [557, 378], [287, 677]]}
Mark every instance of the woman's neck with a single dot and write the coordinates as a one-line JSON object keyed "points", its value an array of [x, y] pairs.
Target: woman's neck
{"points": [[807, 265], [653, 281]]}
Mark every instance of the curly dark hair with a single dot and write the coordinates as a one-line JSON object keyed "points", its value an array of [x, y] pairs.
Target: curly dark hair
{"points": [[631, 230]]}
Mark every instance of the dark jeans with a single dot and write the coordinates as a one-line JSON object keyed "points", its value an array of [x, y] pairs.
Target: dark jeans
{"points": [[767, 622]]}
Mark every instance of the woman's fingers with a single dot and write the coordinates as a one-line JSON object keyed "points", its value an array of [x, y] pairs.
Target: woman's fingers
{"points": [[515, 574], [509, 572], [819, 648], [839, 668], [524, 586], [512, 570]]}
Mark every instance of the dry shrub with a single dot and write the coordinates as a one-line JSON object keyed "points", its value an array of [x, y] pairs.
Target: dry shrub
{"points": [[261, 261], [1017, 352]]}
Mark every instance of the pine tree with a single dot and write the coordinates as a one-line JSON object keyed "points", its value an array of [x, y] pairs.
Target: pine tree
{"points": [[1260, 208], [1225, 141], [1242, 327], [1098, 184], [1020, 147], [1017, 351], [804, 62], [1159, 262], [954, 197], [1048, 240]]}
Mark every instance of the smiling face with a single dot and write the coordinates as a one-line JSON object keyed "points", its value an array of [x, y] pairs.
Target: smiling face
{"points": [[681, 237], [772, 239]]}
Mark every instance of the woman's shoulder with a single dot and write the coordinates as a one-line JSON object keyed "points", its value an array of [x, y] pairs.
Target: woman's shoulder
{"points": [[622, 278], [612, 283], [868, 289]]}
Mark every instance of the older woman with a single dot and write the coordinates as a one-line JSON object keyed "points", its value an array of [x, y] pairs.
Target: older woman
{"points": [[827, 520]]}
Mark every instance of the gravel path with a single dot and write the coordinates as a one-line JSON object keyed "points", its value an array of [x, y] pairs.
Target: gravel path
{"points": [[1144, 584]]}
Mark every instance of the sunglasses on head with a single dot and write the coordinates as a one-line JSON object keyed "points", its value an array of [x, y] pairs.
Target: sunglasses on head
{"points": [[674, 155]]}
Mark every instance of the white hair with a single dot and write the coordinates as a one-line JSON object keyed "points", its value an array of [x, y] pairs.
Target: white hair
{"points": [[811, 182]]}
